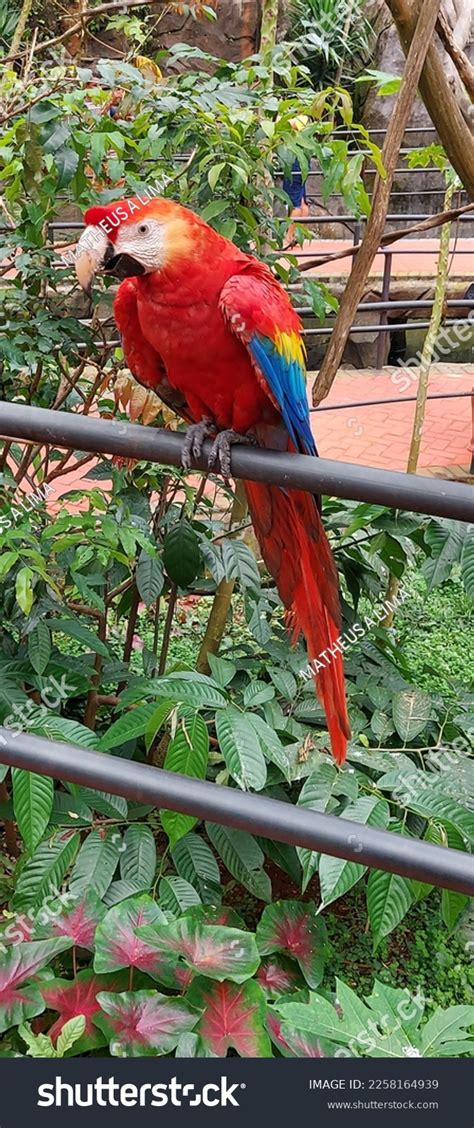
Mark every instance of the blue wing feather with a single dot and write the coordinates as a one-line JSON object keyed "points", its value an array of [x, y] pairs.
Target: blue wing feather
{"points": [[286, 381]]}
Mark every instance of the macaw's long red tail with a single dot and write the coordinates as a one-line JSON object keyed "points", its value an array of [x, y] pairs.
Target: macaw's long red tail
{"points": [[297, 553]]}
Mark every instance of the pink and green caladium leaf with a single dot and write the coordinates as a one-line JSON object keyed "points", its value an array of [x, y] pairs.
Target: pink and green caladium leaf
{"points": [[143, 1023], [278, 976], [118, 945], [294, 1043], [77, 918], [183, 975], [297, 930], [233, 1017], [22, 962], [72, 997], [212, 950], [215, 914]]}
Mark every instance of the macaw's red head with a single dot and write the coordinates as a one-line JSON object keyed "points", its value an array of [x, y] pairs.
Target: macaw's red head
{"points": [[134, 237]]}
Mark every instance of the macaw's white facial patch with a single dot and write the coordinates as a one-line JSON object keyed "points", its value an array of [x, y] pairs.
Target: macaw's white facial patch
{"points": [[143, 241]]}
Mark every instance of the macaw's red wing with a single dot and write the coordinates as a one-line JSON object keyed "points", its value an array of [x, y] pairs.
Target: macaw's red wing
{"points": [[144, 362], [287, 522]]}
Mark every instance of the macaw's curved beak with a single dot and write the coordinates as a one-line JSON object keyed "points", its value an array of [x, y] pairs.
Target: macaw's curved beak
{"points": [[90, 255], [96, 254]]}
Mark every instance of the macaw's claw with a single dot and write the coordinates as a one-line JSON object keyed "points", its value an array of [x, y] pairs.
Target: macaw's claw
{"points": [[193, 441], [221, 449]]}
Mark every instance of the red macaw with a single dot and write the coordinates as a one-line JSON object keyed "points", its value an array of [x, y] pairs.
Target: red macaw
{"points": [[213, 333]]}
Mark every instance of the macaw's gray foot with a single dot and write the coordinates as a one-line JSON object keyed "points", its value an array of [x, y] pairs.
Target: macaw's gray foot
{"points": [[221, 449], [193, 441]]}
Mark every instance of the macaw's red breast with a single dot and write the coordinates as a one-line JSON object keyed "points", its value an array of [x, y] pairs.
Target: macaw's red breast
{"points": [[180, 315]]}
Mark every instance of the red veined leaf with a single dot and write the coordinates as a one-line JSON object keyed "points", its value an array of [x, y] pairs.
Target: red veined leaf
{"points": [[19, 929], [215, 951], [297, 930], [143, 1023], [79, 922], [292, 1043], [233, 1018], [215, 914], [118, 945], [72, 997], [181, 976], [278, 977], [17, 965]]}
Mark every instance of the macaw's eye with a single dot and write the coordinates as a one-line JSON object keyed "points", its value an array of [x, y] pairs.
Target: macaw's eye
{"points": [[143, 229]]}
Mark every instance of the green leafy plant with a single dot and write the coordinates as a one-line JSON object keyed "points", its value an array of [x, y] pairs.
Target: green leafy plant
{"points": [[333, 38]]}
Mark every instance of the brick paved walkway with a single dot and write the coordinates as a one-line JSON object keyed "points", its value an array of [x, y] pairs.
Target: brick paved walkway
{"points": [[380, 436], [412, 258]]}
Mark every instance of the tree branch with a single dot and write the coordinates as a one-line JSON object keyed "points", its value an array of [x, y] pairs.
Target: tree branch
{"points": [[463, 65], [380, 200], [440, 101], [391, 237]]}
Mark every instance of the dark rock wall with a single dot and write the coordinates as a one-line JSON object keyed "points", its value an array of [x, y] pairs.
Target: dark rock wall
{"points": [[233, 35]]}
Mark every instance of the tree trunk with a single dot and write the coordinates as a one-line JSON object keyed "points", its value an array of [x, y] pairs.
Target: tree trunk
{"points": [[431, 338], [380, 200], [438, 96]]}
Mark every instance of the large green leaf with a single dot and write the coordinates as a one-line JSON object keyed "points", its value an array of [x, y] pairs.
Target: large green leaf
{"points": [[74, 629], [43, 873], [241, 749], [431, 803], [271, 745], [112, 806], [187, 754], [448, 1033], [49, 724], [24, 589], [189, 688], [176, 894], [128, 727], [181, 555], [138, 859], [32, 803], [445, 539], [411, 710], [240, 564], [336, 875], [376, 1027], [316, 795], [66, 161], [149, 577], [96, 862], [467, 562], [242, 857], [39, 647], [196, 863], [7, 560], [389, 897]]}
